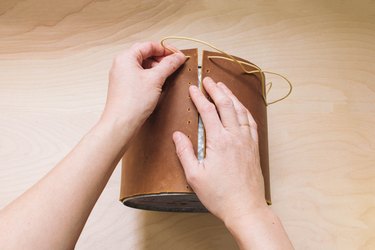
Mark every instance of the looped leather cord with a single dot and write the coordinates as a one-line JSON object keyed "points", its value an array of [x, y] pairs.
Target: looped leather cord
{"points": [[263, 71], [240, 63]]}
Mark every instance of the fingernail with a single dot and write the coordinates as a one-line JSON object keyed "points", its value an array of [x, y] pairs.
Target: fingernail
{"points": [[180, 54], [207, 78], [184, 57], [193, 88], [176, 136]]}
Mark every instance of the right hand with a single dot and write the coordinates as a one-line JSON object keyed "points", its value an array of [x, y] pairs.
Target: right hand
{"points": [[229, 180]]}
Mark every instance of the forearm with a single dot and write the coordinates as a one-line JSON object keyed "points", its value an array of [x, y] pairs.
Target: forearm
{"points": [[53, 212], [261, 229]]}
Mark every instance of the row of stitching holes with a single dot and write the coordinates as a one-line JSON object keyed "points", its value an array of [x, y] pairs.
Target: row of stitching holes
{"points": [[207, 70], [189, 95], [188, 109], [188, 122]]}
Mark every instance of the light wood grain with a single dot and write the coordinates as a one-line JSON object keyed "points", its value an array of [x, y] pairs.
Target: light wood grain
{"points": [[54, 62]]}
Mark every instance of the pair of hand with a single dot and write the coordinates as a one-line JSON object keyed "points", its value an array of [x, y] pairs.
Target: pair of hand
{"points": [[229, 180]]}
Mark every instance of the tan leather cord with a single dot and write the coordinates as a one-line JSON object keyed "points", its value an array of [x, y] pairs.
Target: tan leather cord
{"points": [[240, 63], [263, 71]]}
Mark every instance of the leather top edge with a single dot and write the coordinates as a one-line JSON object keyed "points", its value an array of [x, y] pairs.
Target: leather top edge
{"points": [[194, 52]]}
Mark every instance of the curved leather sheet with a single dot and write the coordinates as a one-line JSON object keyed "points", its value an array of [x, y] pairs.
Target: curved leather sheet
{"points": [[247, 88], [150, 165]]}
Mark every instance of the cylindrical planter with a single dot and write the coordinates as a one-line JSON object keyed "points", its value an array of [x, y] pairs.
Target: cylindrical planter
{"points": [[152, 175]]}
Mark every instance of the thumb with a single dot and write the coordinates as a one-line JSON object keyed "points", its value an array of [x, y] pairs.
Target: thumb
{"points": [[185, 152], [169, 64]]}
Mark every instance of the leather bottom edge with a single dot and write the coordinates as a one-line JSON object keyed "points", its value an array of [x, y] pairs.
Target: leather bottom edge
{"points": [[166, 202]]}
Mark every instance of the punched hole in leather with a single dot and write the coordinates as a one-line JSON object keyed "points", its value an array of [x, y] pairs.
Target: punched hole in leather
{"points": [[152, 176]]}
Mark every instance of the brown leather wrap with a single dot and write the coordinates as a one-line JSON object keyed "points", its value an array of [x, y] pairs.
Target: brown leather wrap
{"points": [[247, 88], [152, 176]]}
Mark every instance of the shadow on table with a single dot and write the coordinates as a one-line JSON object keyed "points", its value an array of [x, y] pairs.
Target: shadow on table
{"points": [[180, 231]]}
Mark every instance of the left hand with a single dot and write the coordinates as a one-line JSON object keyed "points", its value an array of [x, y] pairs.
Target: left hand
{"points": [[135, 82]]}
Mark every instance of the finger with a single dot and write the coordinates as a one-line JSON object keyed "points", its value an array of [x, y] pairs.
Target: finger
{"points": [[244, 116], [241, 110], [207, 111], [151, 62], [253, 126], [168, 64], [223, 103], [167, 52], [170, 49], [142, 51], [185, 152]]}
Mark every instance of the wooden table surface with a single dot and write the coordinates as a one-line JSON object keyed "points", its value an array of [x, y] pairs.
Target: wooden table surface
{"points": [[54, 62]]}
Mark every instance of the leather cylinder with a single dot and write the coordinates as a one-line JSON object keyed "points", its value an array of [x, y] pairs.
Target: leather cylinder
{"points": [[152, 176]]}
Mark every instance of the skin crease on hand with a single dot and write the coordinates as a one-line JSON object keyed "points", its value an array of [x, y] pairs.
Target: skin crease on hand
{"points": [[52, 213]]}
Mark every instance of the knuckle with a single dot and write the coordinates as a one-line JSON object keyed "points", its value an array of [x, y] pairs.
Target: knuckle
{"points": [[208, 108], [254, 125], [192, 177], [120, 59], [244, 108], [172, 63], [154, 43], [241, 111], [225, 102], [136, 45], [117, 60], [147, 45]]}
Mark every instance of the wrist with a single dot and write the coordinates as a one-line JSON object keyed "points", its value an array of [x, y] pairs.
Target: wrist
{"points": [[252, 217], [124, 117], [117, 129], [260, 229]]}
